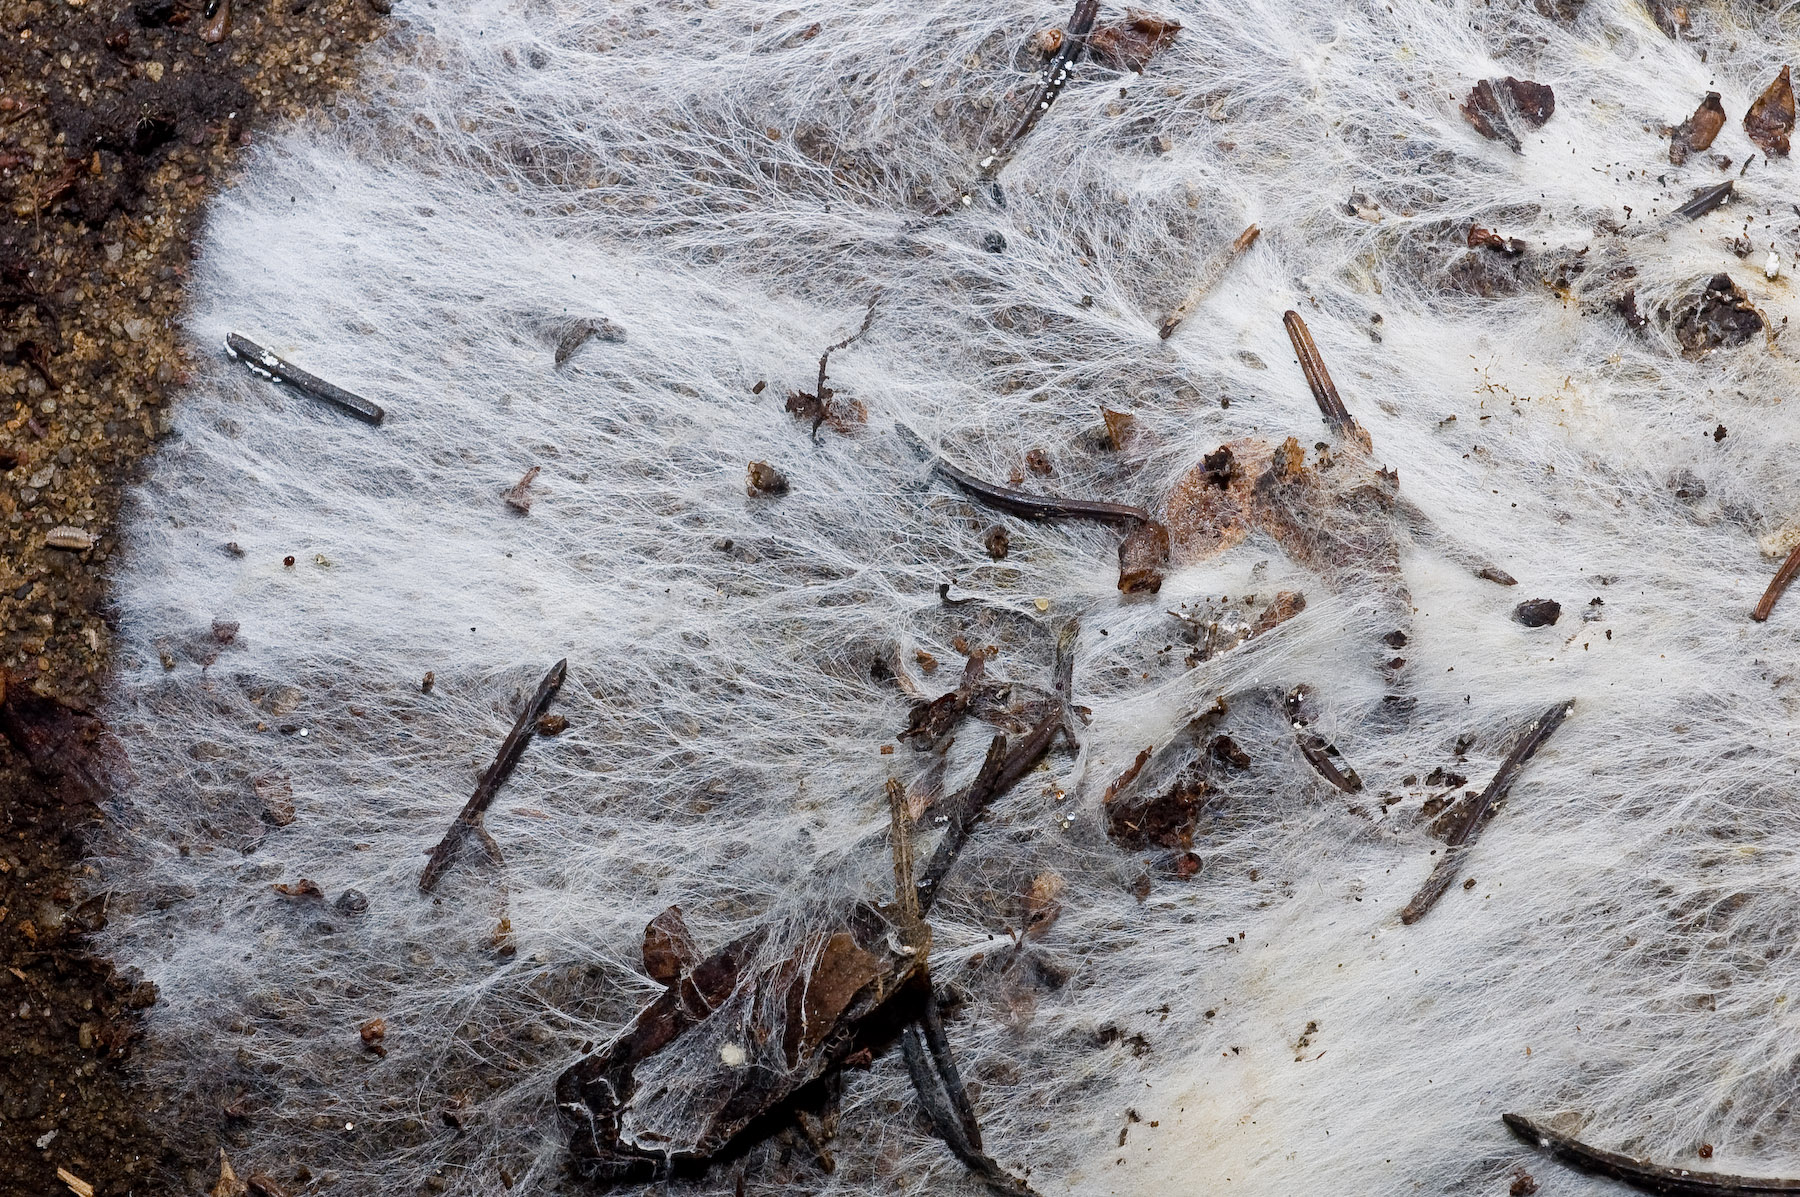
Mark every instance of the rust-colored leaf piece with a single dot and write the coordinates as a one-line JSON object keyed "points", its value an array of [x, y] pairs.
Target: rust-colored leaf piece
{"points": [[1496, 106], [1771, 119], [1696, 133], [1129, 45], [1142, 556]]}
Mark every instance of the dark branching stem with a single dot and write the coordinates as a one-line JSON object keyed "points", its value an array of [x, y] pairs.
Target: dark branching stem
{"points": [[263, 364], [1001, 770], [1317, 377], [1474, 814], [1022, 503], [1779, 583], [821, 393], [469, 821], [1652, 1178]]}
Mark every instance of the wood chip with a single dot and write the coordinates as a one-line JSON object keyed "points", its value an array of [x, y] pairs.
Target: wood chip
{"points": [[77, 1185], [1771, 118]]}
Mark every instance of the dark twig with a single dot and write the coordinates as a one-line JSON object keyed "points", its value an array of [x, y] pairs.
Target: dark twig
{"points": [[1018, 502], [1320, 753], [1779, 583], [1705, 201], [264, 364], [468, 822], [939, 1100], [1051, 81], [1652, 1178], [1474, 814], [823, 394], [1000, 771], [1317, 377]]}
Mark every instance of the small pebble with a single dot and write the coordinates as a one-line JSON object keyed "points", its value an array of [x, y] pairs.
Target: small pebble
{"points": [[1537, 613]]}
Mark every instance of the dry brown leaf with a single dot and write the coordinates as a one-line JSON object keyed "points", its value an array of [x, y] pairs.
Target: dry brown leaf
{"points": [[1771, 118]]}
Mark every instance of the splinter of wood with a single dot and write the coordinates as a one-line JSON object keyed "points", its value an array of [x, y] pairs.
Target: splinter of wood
{"points": [[1705, 201], [1215, 271], [1317, 377], [468, 822], [1018, 502], [1474, 814], [263, 364], [1779, 583], [1652, 1178]]}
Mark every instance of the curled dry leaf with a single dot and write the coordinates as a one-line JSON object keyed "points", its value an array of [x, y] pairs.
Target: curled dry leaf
{"points": [[304, 888], [1696, 133], [519, 497], [228, 1184], [669, 949], [1495, 106], [1142, 556], [277, 797], [1042, 903], [1129, 45], [1771, 118], [1480, 238], [373, 1032], [1118, 426], [552, 725], [764, 479]]}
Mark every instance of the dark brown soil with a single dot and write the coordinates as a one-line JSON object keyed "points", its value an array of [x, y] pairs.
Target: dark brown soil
{"points": [[117, 120]]}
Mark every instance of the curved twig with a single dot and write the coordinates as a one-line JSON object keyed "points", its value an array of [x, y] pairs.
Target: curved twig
{"points": [[1022, 503], [1652, 1178], [1779, 583]]}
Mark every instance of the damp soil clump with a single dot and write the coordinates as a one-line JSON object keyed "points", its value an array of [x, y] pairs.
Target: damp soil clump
{"points": [[117, 123]]}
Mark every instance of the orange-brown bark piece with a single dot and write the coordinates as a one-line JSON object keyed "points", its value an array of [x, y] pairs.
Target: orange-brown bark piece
{"points": [[1130, 44]]}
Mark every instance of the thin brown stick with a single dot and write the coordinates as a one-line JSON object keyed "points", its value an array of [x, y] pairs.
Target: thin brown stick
{"points": [[1318, 378], [1783, 576], [1474, 814], [1215, 270], [1652, 1178], [468, 821], [1018, 502]]}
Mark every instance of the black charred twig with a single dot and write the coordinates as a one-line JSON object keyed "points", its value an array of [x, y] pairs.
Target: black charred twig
{"points": [[1474, 814], [1779, 583], [1705, 201], [1051, 81], [1317, 377], [469, 821], [1215, 270], [261, 362], [946, 1102], [1018, 502], [1652, 1178], [868, 319]]}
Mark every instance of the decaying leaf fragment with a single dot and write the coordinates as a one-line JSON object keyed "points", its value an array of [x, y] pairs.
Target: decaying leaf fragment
{"points": [[1129, 45], [1142, 556], [1771, 118], [1496, 107], [669, 949], [1696, 133]]}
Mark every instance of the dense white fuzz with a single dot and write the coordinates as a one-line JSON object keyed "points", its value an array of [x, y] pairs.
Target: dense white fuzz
{"points": [[731, 185]]}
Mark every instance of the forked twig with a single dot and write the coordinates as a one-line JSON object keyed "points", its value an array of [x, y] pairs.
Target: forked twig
{"points": [[1317, 377], [263, 364], [1779, 583], [1474, 814], [469, 821], [1652, 1178], [1022, 503]]}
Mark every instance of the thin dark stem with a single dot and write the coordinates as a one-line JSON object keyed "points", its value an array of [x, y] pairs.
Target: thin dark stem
{"points": [[1652, 1178], [1021, 503], [1779, 583], [1052, 80], [1474, 814], [266, 365], [468, 821]]}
